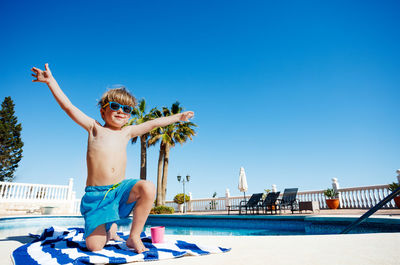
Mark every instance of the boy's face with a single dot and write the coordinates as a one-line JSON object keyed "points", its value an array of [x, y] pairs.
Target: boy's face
{"points": [[114, 118]]}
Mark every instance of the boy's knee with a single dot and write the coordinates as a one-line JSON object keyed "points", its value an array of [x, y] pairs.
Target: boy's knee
{"points": [[97, 239], [147, 189], [93, 245]]}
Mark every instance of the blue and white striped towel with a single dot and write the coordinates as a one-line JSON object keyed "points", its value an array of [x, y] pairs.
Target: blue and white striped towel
{"points": [[66, 246]]}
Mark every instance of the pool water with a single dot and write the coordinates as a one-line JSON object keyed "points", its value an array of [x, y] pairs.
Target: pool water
{"points": [[223, 231], [212, 225]]}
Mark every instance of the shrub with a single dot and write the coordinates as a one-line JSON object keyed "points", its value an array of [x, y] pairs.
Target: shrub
{"points": [[162, 210], [213, 203], [394, 186], [179, 198], [331, 194]]}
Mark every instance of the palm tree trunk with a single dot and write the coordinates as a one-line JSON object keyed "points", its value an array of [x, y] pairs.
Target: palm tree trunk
{"points": [[165, 172], [159, 176], [143, 157]]}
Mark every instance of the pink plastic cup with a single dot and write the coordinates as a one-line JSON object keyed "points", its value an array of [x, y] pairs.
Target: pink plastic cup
{"points": [[157, 234]]}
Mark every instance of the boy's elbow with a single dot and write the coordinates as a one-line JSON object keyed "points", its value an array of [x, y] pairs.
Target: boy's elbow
{"points": [[149, 128], [153, 124], [67, 109]]}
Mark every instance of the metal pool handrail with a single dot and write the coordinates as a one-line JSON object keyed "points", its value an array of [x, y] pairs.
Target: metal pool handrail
{"points": [[372, 210]]}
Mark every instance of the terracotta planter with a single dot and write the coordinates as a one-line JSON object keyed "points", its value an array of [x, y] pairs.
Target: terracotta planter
{"points": [[271, 207], [332, 203], [397, 201]]}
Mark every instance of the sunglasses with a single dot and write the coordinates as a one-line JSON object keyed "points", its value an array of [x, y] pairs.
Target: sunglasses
{"points": [[116, 106]]}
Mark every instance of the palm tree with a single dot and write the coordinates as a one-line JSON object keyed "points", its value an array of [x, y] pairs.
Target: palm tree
{"points": [[169, 135], [140, 116]]}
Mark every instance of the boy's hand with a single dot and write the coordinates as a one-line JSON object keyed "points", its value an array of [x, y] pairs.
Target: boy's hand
{"points": [[185, 116], [42, 76]]}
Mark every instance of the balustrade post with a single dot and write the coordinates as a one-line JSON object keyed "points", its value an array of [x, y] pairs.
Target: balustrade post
{"points": [[70, 185], [335, 186], [189, 203], [2, 191], [398, 175], [227, 201], [9, 190]]}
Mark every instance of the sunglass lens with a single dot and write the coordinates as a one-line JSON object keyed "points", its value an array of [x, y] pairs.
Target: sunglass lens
{"points": [[114, 106], [127, 109]]}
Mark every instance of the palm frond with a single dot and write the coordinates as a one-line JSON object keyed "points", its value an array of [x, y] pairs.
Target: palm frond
{"points": [[176, 108], [166, 112], [134, 121], [134, 140], [156, 113], [135, 112], [154, 140], [142, 105], [189, 123]]}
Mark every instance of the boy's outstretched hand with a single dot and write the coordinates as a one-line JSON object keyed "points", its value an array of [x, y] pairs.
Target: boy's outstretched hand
{"points": [[185, 116], [42, 76]]}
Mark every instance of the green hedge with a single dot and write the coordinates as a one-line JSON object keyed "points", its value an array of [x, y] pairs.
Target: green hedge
{"points": [[162, 210], [179, 198]]}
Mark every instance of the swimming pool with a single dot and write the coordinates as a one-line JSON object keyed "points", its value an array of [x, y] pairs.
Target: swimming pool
{"points": [[226, 225]]}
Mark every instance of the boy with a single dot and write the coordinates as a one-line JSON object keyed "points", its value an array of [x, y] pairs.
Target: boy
{"points": [[108, 197]]}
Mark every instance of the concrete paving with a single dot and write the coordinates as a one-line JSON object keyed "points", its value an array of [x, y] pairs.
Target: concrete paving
{"points": [[361, 249], [353, 249]]}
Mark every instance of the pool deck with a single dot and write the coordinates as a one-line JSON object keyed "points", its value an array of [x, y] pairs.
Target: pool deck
{"points": [[382, 248]]}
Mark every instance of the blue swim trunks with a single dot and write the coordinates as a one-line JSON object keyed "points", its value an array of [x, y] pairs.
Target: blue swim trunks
{"points": [[106, 204]]}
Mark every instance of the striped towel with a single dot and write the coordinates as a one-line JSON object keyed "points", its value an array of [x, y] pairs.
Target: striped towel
{"points": [[58, 245]]}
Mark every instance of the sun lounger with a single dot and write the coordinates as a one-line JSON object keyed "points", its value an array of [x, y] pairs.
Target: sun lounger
{"points": [[269, 202], [289, 199], [251, 204]]}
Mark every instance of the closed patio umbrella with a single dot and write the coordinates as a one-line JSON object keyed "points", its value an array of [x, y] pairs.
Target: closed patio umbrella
{"points": [[242, 182]]}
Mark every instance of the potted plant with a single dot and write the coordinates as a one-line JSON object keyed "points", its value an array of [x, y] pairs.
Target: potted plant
{"points": [[178, 199], [332, 199], [213, 203], [47, 209], [269, 207], [393, 187]]}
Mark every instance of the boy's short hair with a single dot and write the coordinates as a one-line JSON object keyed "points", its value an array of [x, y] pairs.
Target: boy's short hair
{"points": [[120, 95]]}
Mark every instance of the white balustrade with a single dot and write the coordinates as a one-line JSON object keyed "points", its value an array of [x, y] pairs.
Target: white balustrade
{"points": [[350, 198], [10, 191], [26, 196]]}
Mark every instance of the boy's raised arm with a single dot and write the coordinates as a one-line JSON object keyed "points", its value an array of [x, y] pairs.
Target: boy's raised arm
{"points": [[136, 130], [76, 114]]}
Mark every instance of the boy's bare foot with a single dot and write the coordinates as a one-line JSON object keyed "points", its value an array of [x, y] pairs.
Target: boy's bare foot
{"points": [[116, 237], [136, 244], [112, 233]]}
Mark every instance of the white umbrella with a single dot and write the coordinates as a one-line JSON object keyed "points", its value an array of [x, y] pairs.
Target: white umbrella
{"points": [[242, 182]]}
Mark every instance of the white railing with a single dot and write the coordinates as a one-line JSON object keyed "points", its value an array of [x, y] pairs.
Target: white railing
{"points": [[33, 192], [31, 197], [211, 204], [364, 197], [350, 198]]}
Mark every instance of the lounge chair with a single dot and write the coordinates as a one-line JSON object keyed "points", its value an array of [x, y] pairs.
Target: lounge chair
{"points": [[269, 202], [289, 200], [252, 204]]}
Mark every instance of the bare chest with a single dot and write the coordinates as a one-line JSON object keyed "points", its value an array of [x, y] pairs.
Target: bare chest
{"points": [[104, 141]]}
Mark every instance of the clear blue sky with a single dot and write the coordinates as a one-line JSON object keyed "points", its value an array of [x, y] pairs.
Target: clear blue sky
{"points": [[295, 92]]}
